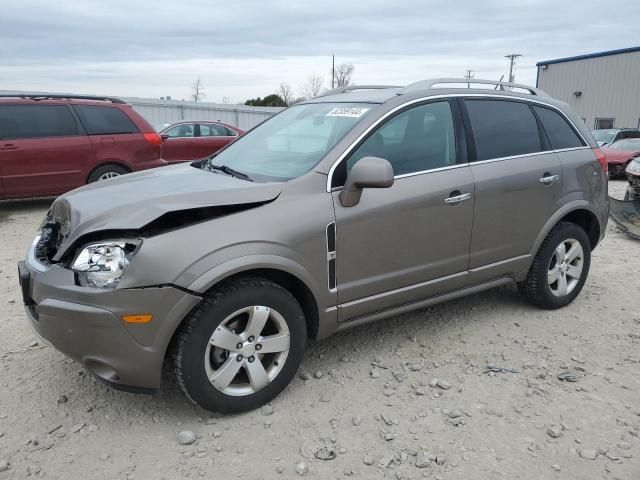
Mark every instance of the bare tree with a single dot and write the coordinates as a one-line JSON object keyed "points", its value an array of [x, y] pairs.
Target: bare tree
{"points": [[342, 74], [197, 91], [286, 93], [313, 86]]}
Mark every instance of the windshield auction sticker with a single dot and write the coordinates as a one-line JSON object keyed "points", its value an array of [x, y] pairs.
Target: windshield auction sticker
{"points": [[353, 112]]}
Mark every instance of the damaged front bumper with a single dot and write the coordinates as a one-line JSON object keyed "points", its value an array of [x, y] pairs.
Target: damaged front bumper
{"points": [[626, 215], [86, 323]]}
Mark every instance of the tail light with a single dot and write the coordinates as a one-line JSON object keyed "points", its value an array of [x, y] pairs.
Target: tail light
{"points": [[153, 138], [602, 158]]}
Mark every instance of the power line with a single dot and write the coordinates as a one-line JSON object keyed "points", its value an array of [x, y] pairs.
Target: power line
{"points": [[512, 57]]}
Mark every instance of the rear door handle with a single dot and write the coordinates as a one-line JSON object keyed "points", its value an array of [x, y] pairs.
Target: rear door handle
{"points": [[8, 146], [457, 198], [550, 179]]}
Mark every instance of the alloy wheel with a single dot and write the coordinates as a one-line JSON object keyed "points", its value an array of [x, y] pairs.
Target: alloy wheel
{"points": [[247, 350], [565, 267]]}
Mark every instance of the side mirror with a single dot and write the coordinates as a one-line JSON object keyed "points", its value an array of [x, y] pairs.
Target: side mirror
{"points": [[164, 137], [368, 172]]}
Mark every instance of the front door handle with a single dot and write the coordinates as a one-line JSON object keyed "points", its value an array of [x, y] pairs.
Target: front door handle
{"points": [[8, 146], [457, 198], [549, 179]]}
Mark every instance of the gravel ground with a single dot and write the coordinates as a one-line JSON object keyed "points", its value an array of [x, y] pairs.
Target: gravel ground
{"points": [[411, 397]]}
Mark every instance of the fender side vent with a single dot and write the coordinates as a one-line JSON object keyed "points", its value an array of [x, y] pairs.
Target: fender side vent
{"points": [[331, 255]]}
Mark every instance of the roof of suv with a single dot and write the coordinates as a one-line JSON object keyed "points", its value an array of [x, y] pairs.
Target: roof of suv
{"points": [[448, 86], [68, 97]]}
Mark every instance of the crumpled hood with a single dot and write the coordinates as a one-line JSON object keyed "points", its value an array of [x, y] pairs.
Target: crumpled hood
{"points": [[132, 201]]}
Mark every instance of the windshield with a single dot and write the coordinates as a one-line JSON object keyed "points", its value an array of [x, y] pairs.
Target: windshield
{"points": [[291, 143], [604, 136], [632, 145]]}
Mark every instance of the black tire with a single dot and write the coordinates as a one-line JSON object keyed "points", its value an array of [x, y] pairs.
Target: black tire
{"points": [[98, 173], [190, 343], [535, 287]]}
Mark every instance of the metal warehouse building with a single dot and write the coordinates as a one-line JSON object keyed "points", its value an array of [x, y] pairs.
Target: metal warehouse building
{"points": [[604, 88]]}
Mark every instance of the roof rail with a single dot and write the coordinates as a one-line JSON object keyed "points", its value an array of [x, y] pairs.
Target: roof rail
{"points": [[428, 84], [349, 88], [54, 96]]}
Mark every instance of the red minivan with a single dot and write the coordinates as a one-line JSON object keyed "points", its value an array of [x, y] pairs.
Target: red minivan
{"points": [[51, 144]]}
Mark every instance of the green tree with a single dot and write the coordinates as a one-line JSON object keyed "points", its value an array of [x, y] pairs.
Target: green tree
{"points": [[272, 100]]}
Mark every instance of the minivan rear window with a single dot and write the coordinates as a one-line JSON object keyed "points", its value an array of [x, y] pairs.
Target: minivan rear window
{"points": [[36, 121], [560, 133], [104, 120], [502, 128]]}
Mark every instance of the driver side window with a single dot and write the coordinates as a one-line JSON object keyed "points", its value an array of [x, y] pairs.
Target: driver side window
{"points": [[418, 139]]}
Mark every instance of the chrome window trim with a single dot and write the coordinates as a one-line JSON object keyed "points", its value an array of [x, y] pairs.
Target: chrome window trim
{"points": [[511, 157], [570, 149], [439, 169], [371, 127]]}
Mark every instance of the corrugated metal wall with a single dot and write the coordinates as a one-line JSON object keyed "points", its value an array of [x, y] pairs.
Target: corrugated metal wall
{"points": [[610, 87], [158, 112]]}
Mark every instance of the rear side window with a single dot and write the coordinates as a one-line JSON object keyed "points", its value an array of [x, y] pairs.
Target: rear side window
{"points": [[559, 132], [630, 134], [105, 120], [36, 121], [212, 130], [502, 128]]}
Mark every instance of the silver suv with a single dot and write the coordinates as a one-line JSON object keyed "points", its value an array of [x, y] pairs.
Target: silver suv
{"points": [[354, 206]]}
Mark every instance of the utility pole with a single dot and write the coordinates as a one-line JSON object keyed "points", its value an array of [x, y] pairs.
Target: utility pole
{"points": [[333, 70], [512, 57], [469, 76]]}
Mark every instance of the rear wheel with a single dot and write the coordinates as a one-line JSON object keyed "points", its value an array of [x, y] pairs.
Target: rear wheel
{"points": [[560, 267], [105, 172], [241, 347]]}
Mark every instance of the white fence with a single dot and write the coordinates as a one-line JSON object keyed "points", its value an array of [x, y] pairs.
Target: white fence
{"points": [[158, 111]]}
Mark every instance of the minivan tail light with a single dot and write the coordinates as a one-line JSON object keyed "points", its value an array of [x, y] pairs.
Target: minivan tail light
{"points": [[153, 138], [602, 158]]}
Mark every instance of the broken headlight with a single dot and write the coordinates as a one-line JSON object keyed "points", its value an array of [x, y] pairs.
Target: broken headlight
{"points": [[102, 264], [634, 167]]}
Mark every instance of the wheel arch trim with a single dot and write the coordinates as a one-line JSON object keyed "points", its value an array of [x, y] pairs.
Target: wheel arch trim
{"points": [[575, 206], [323, 317]]}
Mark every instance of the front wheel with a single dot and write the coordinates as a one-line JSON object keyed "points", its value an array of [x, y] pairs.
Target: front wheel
{"points": [[241, 347], [560, 267]]}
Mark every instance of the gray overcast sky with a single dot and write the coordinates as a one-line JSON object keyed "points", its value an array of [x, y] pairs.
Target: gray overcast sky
{"points": [[245, 48]]}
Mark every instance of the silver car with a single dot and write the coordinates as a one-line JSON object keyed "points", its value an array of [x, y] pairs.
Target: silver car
{"points": [[357, 205]]}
